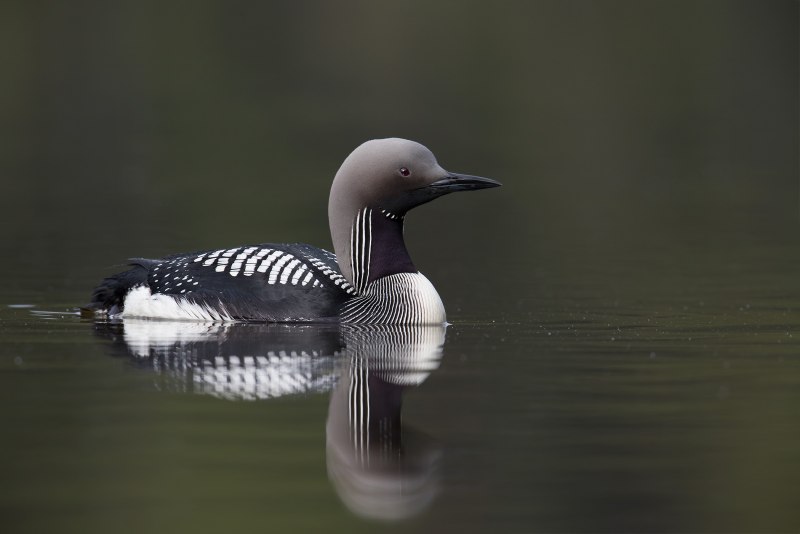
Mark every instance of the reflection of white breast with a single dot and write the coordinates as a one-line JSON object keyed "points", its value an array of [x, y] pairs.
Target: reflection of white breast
{"points": [[402, 298], [402, 355]]}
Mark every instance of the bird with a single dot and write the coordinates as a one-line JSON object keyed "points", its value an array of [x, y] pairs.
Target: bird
{"points": [[368, 278]]}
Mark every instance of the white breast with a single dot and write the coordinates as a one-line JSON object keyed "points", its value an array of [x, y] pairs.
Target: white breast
{"points": [[403, 298]]}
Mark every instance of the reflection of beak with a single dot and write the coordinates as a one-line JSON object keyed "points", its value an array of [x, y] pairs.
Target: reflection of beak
{"points": [[462, 182]]}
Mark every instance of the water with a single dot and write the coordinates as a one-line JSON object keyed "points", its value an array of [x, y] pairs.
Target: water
{"points": [[618, 396]]}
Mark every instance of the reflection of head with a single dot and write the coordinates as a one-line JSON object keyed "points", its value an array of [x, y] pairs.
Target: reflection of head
{"points": [[380, 468], [390, 489]]}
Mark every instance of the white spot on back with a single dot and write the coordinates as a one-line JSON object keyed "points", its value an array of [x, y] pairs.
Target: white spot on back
{"points": [[288, 270], [273, 273], [298, 273], [250, 267], [268, 261]]}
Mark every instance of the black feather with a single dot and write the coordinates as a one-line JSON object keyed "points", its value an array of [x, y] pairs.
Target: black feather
{"points": [[248, 298], [109, 296]]}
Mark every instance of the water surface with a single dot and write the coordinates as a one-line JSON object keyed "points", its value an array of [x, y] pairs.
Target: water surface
{"points": [[640, 393]]}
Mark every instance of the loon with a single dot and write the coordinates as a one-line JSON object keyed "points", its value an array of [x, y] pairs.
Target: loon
{"points": [[369, 278]]}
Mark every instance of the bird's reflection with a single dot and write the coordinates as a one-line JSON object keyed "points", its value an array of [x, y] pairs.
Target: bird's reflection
{"points": [[380, 467], [235, 362]]}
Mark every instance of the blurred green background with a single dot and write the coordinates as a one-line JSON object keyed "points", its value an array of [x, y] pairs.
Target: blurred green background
{"points": [[216, 123]]}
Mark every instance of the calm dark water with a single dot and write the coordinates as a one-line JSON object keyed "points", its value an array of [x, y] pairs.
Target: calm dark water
{"points": [[642, 392]]}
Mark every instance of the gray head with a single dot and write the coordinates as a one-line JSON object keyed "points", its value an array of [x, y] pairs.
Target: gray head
{"points": [[389, 174]]}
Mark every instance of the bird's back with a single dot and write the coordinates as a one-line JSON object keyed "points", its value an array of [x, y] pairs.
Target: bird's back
{"points": [[266, 282]]}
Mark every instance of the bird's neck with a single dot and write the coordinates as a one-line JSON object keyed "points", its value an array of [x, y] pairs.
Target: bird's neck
{"points": [[375, 249]]}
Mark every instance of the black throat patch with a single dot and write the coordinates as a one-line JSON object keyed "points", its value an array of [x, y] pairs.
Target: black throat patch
{"points": [[389, 254]]}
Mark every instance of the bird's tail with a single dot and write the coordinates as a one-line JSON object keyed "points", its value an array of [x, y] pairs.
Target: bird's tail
{"points": [[109, 296]]}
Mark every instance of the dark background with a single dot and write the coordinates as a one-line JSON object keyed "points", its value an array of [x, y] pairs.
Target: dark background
{"points": [[140, 129]]}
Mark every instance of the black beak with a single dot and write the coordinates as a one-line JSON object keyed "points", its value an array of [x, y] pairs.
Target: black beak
{"points": [[449, 184], [462, 182]]}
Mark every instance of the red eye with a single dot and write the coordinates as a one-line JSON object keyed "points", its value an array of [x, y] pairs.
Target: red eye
{"points": [[404, 171]]}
